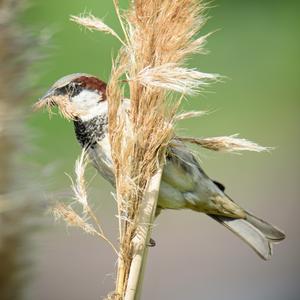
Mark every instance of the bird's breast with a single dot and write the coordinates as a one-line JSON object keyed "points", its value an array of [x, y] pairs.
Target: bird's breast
{"points": [[100, 155], [89, 133]]}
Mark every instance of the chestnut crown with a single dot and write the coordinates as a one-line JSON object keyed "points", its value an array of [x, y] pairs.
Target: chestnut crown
{"points": [[72, 84]]}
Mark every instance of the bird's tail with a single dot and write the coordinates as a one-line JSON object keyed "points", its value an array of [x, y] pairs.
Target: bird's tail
{"points": [[258, 234]]}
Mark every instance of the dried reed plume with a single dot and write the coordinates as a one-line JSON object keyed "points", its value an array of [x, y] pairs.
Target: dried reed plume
{"points": [[79, 219], [171, 77], [190, 114], [225, 144], [68, 214], [159, 35], [92, 23]]}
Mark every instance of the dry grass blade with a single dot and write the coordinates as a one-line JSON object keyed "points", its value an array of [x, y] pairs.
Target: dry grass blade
{"points": [[225, 143], [174, 78], [190, 114], [92, 23]]}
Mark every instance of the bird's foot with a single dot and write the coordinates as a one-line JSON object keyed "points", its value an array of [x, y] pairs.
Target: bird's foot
{"points": [[151, 243]]}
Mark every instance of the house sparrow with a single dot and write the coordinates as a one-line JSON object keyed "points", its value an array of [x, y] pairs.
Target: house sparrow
{"points": [[184, 184]]}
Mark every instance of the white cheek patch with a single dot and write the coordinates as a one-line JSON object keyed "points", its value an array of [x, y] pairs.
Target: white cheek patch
{"points": [[88, 105]]}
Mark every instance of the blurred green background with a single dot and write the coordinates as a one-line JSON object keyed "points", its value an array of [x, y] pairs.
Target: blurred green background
{"points": [[257, 48]]}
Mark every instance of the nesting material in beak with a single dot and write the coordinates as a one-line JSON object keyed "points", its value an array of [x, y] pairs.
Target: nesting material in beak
{"points": [[61, 101], [45, 101]]}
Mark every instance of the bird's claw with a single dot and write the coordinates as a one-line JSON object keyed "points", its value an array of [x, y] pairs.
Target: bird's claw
{"points": [[151, 243]]}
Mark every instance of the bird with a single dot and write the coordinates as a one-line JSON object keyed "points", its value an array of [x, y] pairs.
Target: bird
{"points": [[184, 184]]}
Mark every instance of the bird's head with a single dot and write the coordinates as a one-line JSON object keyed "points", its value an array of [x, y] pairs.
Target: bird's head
{"points": [[77, 95]]}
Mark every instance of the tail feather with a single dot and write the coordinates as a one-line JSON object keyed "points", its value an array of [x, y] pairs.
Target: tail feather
{"points": [[258, 234], [270, 231]]}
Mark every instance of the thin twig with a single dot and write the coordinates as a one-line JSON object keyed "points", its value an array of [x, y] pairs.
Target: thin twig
{"points": [[117, 10]]}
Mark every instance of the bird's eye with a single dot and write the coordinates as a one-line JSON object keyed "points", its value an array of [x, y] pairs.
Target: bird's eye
{"points": [[74, 89], [72, 85]]}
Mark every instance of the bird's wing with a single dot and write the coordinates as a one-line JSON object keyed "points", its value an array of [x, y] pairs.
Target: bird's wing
{"points": [[183, 172]]}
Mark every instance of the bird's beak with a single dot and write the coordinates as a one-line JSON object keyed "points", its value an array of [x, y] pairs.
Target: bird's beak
{"points": [[46, 100], [49, 94]]}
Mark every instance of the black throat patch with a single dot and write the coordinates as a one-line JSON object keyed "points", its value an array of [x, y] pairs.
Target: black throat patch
{"points": [[88, 133]]}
